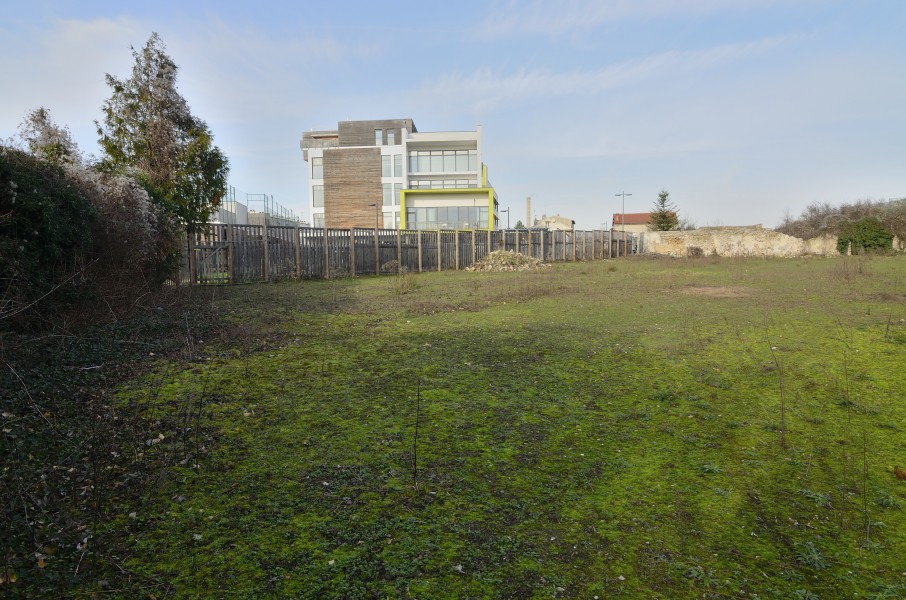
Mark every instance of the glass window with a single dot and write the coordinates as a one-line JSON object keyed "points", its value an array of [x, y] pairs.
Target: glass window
{"points": [[396, 193], [449, 161], [483, 217], [378, 137], [413, 162], [391, 137], [317, 220], [317, 167], [387, 220], [317, 195], [462, 160], [387, 194], [385, 165], [424, 162], [473, 160], [437, 161], [397, 165]]}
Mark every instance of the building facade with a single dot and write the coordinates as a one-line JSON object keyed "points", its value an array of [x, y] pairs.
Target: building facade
{"points": [[386, 174], [631, 222]]}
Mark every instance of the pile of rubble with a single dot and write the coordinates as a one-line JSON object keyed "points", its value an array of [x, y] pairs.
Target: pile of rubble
{"points": [[507, 260]]}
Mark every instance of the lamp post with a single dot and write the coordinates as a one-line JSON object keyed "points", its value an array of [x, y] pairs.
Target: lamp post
{"points": [[623, 220]]}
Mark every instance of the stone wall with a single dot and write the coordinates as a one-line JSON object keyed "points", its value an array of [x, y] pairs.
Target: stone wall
{"points": [[734, 241]]}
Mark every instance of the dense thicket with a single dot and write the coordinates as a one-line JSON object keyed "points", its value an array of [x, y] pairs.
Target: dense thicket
{"points": [[111, 227], [46, 225], [821, 218]]}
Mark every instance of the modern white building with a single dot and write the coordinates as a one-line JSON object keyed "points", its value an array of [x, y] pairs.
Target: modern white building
{"points": [[387, 174]]}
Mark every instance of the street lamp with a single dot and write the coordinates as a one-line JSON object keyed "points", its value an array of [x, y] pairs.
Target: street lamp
{"points": [[623, 220]]}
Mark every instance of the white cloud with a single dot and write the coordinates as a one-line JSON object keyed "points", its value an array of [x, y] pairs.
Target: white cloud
{"points": [[62, 68], [487, 90], [555, 17]]}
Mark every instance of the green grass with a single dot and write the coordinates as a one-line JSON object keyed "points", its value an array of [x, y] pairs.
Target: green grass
{"points": [[584, 432]]}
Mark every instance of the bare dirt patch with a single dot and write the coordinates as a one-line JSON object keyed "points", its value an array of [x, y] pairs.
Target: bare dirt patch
{"points": [[722, 291]]}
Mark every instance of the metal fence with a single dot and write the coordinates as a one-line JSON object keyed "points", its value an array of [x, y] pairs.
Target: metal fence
{"points": [[253, 253]]}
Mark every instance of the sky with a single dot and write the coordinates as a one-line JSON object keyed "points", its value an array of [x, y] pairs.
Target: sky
{"points": [[744, 110]]}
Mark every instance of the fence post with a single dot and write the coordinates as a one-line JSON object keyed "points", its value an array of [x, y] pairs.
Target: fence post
{"points": [[489, 242], [377, 253], [297, 246], [265, 259], [229, 253], [473, 248], [352, 252], [418, 232], [399, 250], [440, 255], [326, 255]]}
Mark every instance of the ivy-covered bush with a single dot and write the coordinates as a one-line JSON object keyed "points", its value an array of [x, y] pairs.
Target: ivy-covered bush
{"points": [[865, 235], [45, 229]]}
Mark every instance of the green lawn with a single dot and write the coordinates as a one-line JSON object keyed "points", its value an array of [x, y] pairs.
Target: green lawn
{"points": [[594, 430]]}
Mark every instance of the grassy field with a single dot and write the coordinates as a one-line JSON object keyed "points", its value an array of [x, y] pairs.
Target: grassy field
{"points": [[634, 428]]}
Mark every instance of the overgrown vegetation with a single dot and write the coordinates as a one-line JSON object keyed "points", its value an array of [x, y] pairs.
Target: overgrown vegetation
{"points": [[865, 235], [45, 232], [820, 218], [582, 431], [109, 230]]}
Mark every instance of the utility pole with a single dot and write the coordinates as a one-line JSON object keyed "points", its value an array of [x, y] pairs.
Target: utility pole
{"points": [[623, 220]]}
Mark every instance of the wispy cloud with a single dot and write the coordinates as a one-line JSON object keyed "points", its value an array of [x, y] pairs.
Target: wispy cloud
{"points": [[556, 17], [487, 89]]}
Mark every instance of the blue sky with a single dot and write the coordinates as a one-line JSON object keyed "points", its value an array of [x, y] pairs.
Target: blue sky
{"points": [[742, 109]]}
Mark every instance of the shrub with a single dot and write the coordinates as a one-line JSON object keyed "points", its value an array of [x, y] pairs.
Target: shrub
{"points": [[865, 235], [45, 230]]}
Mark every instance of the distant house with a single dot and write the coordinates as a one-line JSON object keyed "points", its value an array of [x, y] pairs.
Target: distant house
{"points": [[634, 223], [555, 223]]}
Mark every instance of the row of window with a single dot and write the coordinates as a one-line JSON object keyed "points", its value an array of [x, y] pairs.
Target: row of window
{"points": [[397, 165], [443, 161], [441, 184], [447, 217], [390, 194], [379, 137], [422, 161]]}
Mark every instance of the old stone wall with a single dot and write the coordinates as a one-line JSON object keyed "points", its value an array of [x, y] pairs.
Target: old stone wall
{"points": [[734, 241]]}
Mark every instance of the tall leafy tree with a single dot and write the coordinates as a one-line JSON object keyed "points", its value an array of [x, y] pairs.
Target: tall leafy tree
{"points": [[663, 214], [149, 131]]}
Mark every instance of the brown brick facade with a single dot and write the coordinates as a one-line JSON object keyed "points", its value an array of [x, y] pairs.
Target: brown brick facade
{"points": [[352, 181], [361, 133]]}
